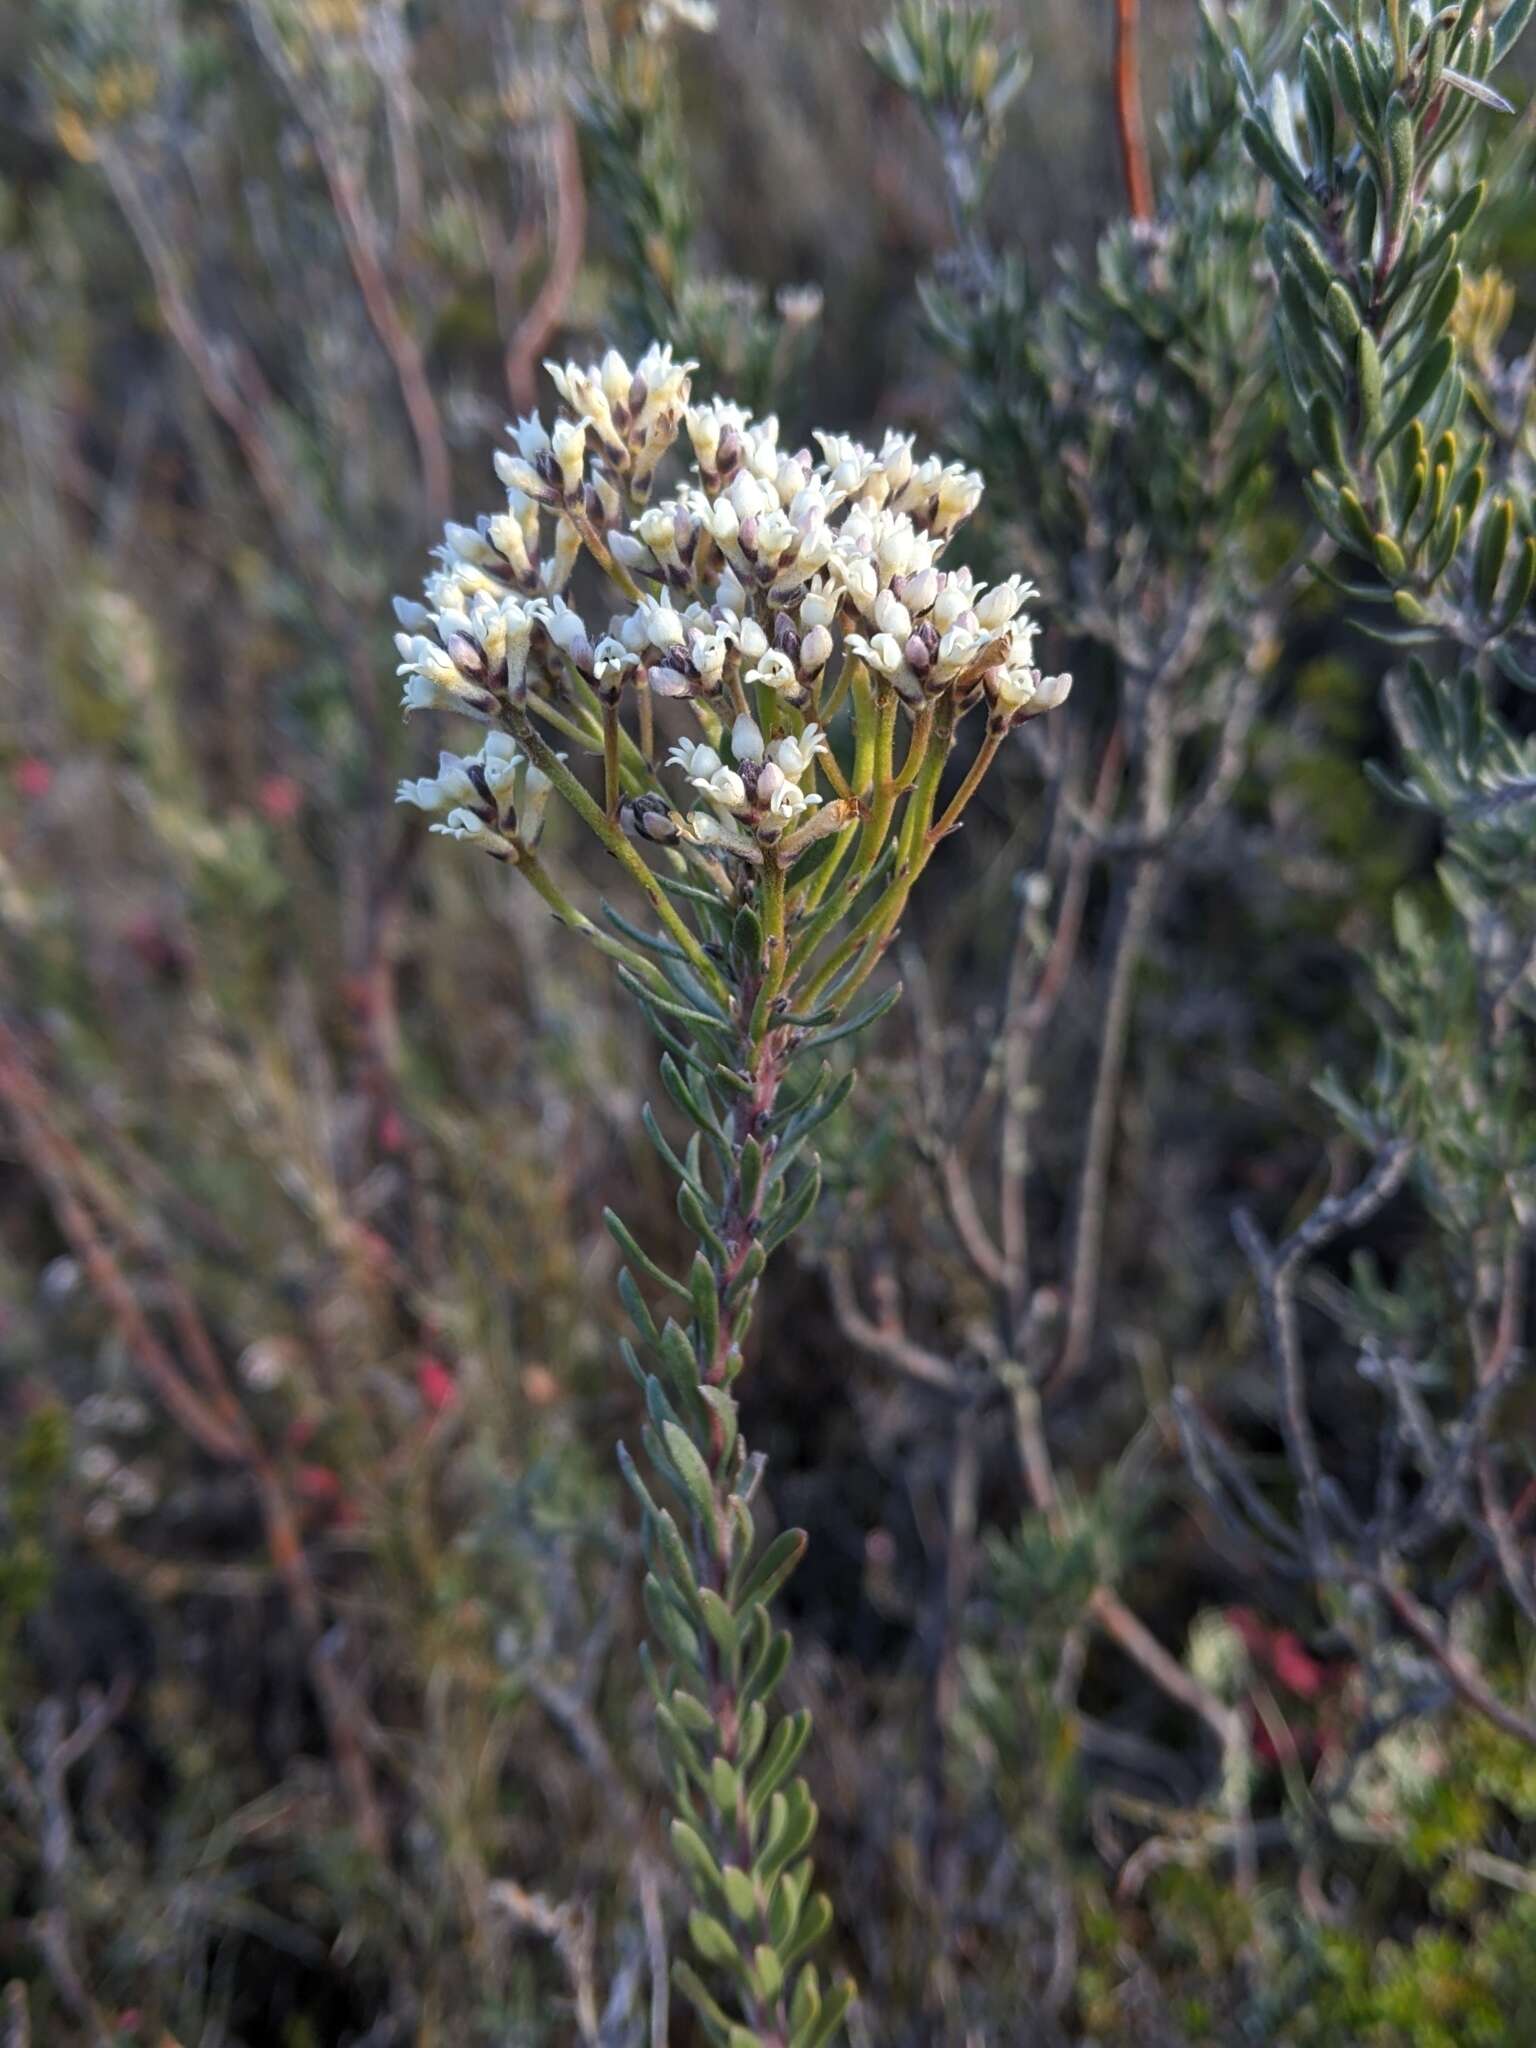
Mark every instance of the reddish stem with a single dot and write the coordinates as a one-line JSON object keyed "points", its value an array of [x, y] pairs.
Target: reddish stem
{"points": [[1129, 121]]}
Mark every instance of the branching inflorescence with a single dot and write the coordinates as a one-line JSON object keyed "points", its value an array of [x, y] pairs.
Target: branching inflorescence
{"points": [[795, 614]]}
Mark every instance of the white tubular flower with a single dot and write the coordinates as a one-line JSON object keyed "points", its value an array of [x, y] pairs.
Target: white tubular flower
{"points": [[708, 426], [919, 592], [661, 384], [531, 436], [724, 787], [568, 445], [630, 553], [612, 657], [746, 739], [415, 618], [774, 670], [566, 628], [748, 498], [817, 608], [848, 465], [1052, 693], [423, 657], [752, 640], [782, 797], [883, 654], [708, 652], [731, 594], [958, 496], [1002, 603], [900, 550], [1015, 685], [892, 616], [450, 786], [465, 825], [860, 578], [526, 472], [951, 604], [530, 797], [794, 756], [585, 391], [697, 761], [467, 543], [555, 573], [499, 762], [658, 624], [958, 648]]}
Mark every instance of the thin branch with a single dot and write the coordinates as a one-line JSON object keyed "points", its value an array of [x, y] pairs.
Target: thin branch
{"points": [[568, 241], [883, 1340], [1130, 124]]}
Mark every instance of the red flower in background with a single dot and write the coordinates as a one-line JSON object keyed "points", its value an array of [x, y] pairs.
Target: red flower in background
{"points": [[280, 798], [435, 1384]]}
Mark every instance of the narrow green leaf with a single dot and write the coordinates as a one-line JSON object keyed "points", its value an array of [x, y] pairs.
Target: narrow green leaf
{"points": [[691, 1470], [1522, 582], [724, 1785], [723, 1408], [692, 1212], [708, 2009], [675, 1552], [1423, 388], [719, 1621], [693, 1853], [767, 1972], [1510, 27], [713, 1942], [785, 1747], [768, 1671], [706, 1306], [740, 1892], [814, 1925], [793, 1211], [865, 1017], [674, 1632], [625, 1239], [773, 1568], [833, 2012], [1492, 547], [805, 2006]]}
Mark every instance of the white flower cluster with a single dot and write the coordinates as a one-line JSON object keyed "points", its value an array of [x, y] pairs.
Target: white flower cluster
{"points": [[760, 787], [495, 799], [746, 578]]}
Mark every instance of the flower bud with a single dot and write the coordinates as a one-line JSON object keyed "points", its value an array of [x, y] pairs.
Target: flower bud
{"points": [[815, 652], [650, 818], [746, 739]]}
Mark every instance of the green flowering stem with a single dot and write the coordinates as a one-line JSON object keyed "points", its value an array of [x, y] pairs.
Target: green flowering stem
{"points": [[636, 763], [986, 753], [532, 868], [548, 762], [775, 945], [611, 759], [917, 747], [913, 846], [853, 676], [647, 748], [588, 738]]}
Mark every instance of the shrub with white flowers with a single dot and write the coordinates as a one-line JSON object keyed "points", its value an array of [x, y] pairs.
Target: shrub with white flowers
{"points": [[792, 613]]}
